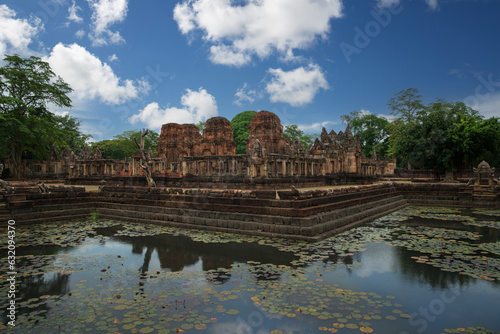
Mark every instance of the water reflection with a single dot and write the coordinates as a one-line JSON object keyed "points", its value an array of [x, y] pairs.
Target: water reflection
{"points": [[380, 269], [178, 252], [425, 274], [37, 286]]}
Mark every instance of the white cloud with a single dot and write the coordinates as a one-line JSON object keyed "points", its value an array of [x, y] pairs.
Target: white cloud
{"points": [[433, 4], [112, 58], [488, 104], [364, 112], [89, 77], [225, 55], [80, 33], [196, 106], [316, 127], [296, 87], [239, 30], [16, 34], [73, 13], [244, 94], [105, 14]]}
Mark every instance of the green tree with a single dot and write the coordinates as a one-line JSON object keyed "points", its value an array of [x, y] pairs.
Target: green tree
{"points": [[73, 138], [407, 104], [27, 87], [445, 137], [239, 125], [373, 132], [293, 132], [123, 145]]}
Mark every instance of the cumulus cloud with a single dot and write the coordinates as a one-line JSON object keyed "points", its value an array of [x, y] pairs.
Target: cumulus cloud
{"points": [[105, 13], [197, 106], [238, 31], [296, 87], [316, 127], [16, 34], [90, 78], [73, 13], [244, 94]]}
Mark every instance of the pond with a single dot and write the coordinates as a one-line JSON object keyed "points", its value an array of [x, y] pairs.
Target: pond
{"points": [[417, 270]]}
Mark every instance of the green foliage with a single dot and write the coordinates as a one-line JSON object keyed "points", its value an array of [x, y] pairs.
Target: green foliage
{"points": [[407, 104], [373, 132], [123, 145], [27, 87], [200, 125], [293, 132], [445, 136], [72, 137], [94, 215], [240, 124]]}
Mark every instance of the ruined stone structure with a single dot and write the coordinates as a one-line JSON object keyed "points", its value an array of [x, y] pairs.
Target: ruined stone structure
{"points": [[270, 155], [266, 135], [183, 151]]}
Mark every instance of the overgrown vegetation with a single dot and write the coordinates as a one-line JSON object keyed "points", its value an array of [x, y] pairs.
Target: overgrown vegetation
{"points": [[240, 124], [123, 145], [27, 128], [443, 136]]}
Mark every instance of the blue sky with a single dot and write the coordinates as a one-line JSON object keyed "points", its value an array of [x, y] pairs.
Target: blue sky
{"points": [[140, 64]]}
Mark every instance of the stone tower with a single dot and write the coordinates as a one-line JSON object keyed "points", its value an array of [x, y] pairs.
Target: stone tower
{"points": [[266, 128]]}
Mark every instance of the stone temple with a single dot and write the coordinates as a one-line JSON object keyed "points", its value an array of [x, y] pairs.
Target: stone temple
{"points": [[182, 151]]}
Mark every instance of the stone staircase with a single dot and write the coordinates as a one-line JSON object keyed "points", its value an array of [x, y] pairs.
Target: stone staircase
{"points": [[314, 227]]}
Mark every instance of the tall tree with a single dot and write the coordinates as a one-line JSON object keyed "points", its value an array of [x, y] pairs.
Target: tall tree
{"points": [[73, 138], [240, 124], [407, 104], [27, 87], [448, 136], [293, 132], [373, 132]]}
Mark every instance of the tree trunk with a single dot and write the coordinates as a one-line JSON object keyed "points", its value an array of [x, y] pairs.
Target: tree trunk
{"points": [[144, 160], [16, 154]]}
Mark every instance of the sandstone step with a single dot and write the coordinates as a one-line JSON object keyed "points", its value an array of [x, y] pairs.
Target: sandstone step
{"points": [[345, 223], [311, 228]]}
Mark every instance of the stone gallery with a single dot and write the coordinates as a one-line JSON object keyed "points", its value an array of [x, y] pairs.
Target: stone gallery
{"points": [[183, 151]]}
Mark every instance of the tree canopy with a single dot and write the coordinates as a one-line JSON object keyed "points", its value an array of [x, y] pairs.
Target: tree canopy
{"points": [[240, 124], [443, 136], [293, 132], [373, 132], [27, 88], [123, 145], [446, 136]]}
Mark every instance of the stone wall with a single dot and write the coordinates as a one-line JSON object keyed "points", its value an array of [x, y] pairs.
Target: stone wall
{"points": [[307, 215]]}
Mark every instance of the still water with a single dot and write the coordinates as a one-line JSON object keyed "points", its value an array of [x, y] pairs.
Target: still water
{"points": [[418, 270]]}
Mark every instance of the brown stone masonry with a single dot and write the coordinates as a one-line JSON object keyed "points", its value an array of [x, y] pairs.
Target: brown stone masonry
{"points": [[306, 215]]}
